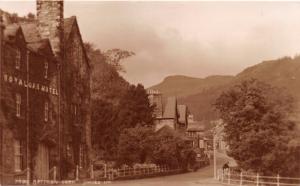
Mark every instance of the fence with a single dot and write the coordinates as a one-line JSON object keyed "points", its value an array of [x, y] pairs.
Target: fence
{"points": [[129, 173], [106, 174], [234, 178]]}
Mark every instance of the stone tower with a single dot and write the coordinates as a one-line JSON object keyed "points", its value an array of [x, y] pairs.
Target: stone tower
{"points": [[155, 98], [50, 17]]}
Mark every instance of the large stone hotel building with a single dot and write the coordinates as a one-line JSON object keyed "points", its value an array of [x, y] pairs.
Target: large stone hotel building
{"points": [[45, 95]]}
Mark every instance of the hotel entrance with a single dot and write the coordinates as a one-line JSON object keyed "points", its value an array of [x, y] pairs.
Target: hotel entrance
{"points": [[42, 162]]}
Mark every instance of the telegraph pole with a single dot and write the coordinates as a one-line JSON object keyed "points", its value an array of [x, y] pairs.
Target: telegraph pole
{"points": [[1, 119], [27, 120], [215, 157]]}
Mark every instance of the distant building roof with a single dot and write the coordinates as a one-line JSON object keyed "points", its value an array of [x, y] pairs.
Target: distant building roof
{"points": [[169, 131], [196, 126], [166, 130], [182, 110], [153, 92], [171, 108], [11, 30]]}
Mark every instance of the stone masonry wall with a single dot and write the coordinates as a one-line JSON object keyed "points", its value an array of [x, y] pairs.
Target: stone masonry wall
{"points": [[50, 23]]}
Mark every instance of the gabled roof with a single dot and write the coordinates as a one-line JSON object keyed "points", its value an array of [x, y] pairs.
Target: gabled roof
{"points": [[68, 24], [11, 30], [31, 32], [42, 47], [5, 17], [171, 108], [182, 110]]}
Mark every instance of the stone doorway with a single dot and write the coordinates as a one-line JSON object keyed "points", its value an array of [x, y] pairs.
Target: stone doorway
{"points": [[42, 162]]}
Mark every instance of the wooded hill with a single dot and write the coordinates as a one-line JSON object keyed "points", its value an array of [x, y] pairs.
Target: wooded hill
{"points": [[200, 94]]}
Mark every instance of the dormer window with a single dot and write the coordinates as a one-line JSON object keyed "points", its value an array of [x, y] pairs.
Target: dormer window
{"points": [[18, 59], [46, 70]]}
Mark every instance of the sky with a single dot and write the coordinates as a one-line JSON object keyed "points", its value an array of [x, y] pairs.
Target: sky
{"points": [[195, 39]]}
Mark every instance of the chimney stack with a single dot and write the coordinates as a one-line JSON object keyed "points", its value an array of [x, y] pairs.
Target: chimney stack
{"points": [[50, 17]]}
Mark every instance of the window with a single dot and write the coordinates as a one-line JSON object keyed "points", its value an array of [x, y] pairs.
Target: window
{"points": [[46, 70], [81, 156], [201, 143], [18, 155], [46, 111], [69, 154], [18, 105], [18, 59]]}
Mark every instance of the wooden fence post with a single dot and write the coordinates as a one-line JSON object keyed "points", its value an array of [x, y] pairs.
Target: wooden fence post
{"points": [[92, 171], [278, 180], [241, 178], [54, 173], [222, 178], [77, 173], [257, 179], [105, 171], [228, 176]]}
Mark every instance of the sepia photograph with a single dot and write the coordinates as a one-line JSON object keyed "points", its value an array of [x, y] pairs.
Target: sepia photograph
{"points": [[149, 93]]}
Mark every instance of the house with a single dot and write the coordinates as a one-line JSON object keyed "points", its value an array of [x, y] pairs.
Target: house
{"points": [[169, 114], [195, 132], [45, 94]]}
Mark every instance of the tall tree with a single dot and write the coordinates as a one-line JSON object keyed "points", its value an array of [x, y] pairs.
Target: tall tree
{"points": [[135, 108], [136, 145], [116, 104], [258, 127]]}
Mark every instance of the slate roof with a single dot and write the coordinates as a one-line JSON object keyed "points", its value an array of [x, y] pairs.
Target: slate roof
{"points": [[11, 30], [42, 47], [31, 33], [182, 110], [170, 108], [68, 24]]}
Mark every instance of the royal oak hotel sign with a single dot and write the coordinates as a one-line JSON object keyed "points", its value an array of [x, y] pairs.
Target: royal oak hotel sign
{"points": [[32, 85]]}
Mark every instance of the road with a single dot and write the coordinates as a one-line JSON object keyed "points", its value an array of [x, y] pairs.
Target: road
{"points": [[202, 177]]}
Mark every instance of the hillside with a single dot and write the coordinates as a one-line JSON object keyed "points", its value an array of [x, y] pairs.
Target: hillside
{"points": [[200, 94], [183, 86]]}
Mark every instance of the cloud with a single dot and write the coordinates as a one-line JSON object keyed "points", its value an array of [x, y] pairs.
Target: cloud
{"points": [[188, 38]]}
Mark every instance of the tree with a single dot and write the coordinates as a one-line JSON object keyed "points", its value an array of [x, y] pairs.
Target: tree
{"points": [[30, 16], [135, 108], [135, 145], [172, 149], [106, 82], [141, 144], [258, 127], [115, 56]]}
